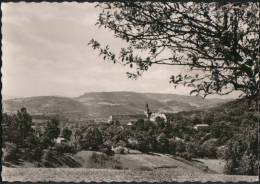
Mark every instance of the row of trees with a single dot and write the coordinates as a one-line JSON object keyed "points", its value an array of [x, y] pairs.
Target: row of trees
{"points": [[23, 142]]}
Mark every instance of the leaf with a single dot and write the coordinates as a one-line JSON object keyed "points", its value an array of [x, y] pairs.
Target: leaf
{"points": [[153, 50]]}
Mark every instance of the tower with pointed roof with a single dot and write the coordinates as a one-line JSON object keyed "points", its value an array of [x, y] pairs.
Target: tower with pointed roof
{"points": [[148, 113]]}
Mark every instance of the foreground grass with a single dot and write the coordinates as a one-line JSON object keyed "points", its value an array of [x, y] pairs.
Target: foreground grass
{"points": [[108, 175]]}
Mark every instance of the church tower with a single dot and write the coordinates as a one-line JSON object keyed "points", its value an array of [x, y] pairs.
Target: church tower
{"points": [[148, 113]]}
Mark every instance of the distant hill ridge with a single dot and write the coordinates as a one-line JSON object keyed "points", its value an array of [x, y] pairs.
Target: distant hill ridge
{"points": [[104, 104]]}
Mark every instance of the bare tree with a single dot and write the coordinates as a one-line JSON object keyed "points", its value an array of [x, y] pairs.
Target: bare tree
{"points": [[217, 43]]}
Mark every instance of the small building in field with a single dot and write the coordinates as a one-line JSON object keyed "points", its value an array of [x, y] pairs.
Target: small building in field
{"points": [[129, 124], [201, 127], [61, 140], [178, 139]]}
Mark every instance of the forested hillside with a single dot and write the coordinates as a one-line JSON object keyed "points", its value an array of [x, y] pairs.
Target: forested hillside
{"points": [[104, 104]]}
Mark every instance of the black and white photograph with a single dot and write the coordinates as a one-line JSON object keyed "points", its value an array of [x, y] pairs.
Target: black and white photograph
{"points": [[130, 91]]}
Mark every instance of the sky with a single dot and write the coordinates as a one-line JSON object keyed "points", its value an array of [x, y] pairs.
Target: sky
{"points": [[45, 52]]}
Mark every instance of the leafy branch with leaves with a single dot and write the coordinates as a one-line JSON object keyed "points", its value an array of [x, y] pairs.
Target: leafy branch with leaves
{"points": [[216, 43]]}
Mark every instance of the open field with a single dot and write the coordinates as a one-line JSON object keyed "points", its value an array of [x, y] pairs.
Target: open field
{"points": [[134, 167], [215, 165], [142, 161], [86, 175]]}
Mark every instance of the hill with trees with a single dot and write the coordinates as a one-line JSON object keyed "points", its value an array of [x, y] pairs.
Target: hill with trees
{"points": [[231, 135]]}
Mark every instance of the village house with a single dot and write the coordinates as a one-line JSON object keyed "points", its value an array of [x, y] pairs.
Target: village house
{"points": [[61, 140], [129, 124], [201, 127]]}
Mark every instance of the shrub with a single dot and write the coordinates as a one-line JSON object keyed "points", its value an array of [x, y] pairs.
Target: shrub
{"points": [[101, 160], [241, 154], [52, 130], [64, 148], [162, 143], [10, 152], [37, 153], [184, 155], [98, 159], [221, 151], [47, 157], [106, 149], [191, 150], [143, 142], [32, 154], [180, 146], [66, 133], [140, 124], [172, 146], [209, 148], [247, 164], [230, 167], [117, 166], [92, 139]]}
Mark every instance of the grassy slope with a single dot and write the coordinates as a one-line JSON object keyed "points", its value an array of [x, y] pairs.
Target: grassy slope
{"points": [[143, 162], [136, 167], [216, 165], [139, 161]]}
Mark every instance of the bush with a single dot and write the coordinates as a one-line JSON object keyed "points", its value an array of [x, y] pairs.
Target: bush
{"points": [[221, 151], [172, 146], [180, 146], [47, 158], [185, 155], [139, 124], [101, 160], [247, 165], [241, 154], [230, 167], [92, 139], [52, 130], [32, 154], [66, 133], [10, 152], [209, 148], [98, 159], [106, 149], [37, 154], [64, 148], [143, 142], [191, 150], [117, 166]]}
